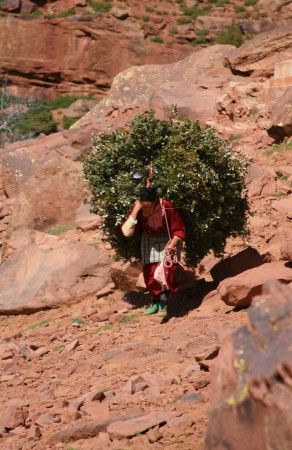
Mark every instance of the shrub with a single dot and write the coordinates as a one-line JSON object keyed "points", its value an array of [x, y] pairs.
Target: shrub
{"points": [[183, 20], [64, 101], [250, 2], [101, 6], [157, 39], [67, 13], [68, 122], [232, 35], [173, 31], [36, 122], [194, 11], [193, 168]]}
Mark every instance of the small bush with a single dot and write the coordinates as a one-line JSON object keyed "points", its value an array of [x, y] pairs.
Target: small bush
{"points": [[36, 13], [145, 18], [202, 33], [239, 9], [199, 41], [232, 36], [173, 31], [101, 6], [36, 122], [157, 39], [67, 13], [64, 101], [68, 122], [149, 9], [194, 11], [250, 2], [183, 20]]}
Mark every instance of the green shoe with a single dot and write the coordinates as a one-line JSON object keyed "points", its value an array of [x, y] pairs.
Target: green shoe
{"points": [[152, 309], [162, 311]]}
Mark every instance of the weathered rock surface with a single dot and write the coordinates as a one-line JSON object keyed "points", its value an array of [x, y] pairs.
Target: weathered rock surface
{"points": [[45, 271], [234, 265], [239, 290], [75, 54], [282, 117], [260, 181], [251, 379], [160, 86], [263, 51]]}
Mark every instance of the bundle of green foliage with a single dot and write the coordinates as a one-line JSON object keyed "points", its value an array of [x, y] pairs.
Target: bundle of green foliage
{"points": [[193, 168]]}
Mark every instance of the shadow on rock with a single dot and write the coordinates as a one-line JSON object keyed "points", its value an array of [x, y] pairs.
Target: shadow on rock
{"points": [[137, 299], [186, 300]]}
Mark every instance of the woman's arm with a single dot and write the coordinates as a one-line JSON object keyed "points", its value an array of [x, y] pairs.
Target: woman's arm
{"points": [[176, 226], [128, 227]]}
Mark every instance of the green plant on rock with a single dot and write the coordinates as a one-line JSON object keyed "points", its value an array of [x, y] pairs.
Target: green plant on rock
{"points": [[100, 6], [157, 39], [193, 168], [232, 36]]}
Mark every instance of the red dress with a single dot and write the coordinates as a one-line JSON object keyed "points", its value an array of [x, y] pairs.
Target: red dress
{"points": [[154, 238]]}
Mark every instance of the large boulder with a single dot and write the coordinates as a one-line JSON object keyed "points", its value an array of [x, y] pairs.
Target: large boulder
{"points": [[251, 393], [45, 271], [260, 181], [195, 78], [281, 125], [263, 51], [234, 265], [239, 291], [50, 195]]}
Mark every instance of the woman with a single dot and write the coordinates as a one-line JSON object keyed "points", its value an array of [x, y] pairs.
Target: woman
{"points": [[155, 216]]}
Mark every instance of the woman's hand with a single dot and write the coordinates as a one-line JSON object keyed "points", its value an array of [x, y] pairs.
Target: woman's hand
{"points": [[136, 209]]}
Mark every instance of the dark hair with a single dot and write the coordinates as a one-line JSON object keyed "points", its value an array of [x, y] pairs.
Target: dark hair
{"points": [[148, 194]]}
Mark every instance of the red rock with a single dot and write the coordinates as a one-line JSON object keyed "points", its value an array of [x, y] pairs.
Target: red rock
{"points": [[76, 50], [239, 291], [15, 415], [107, 290], [263, 51], [124, 275], [85, 220], [10, 5], [286, 250], [154, 435], [132, 427], [251, 379], [46, 271], [229, 267], [86, 429], [72, 345], [34, 432], [260, 181], [283, 205]]}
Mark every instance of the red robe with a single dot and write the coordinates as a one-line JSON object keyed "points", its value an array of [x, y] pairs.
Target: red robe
{"points": [[155, 225]]}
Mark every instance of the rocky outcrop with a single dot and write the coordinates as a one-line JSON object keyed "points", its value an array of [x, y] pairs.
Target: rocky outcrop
{"points": [[46, 271], [281, 119], [78, 54], [239, 291], [251, 379], [262, 52], [186, 83]]}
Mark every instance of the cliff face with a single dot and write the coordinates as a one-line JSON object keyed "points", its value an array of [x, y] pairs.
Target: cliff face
{"points": [[51, 57]]}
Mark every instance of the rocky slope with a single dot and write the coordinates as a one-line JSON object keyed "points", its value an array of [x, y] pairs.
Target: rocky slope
{"points": [[82, 45], [93, 372]]}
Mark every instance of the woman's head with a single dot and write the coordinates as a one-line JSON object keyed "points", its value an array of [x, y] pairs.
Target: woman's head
{"points": [[148, 199]]}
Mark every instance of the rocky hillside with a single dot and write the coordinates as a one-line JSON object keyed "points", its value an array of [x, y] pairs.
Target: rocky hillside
{"points": [[81, 367], [78, 46]]}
